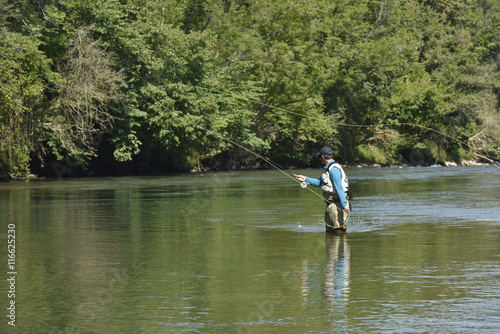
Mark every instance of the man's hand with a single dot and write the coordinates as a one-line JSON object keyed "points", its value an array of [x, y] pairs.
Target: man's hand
{"points": [[300, 178], [346, 209]]}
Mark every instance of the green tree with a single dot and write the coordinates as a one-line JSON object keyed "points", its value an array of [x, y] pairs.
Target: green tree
{"points": [[24, 74], [401, 64], [280, 40], [175, 89]]}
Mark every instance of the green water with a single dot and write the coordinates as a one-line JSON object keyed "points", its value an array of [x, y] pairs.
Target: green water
{"points": [[244, 252]]}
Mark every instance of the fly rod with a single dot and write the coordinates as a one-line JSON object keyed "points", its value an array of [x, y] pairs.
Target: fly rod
{"points": [[267, 160]]}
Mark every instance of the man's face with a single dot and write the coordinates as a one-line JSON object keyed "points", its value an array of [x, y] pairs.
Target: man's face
{"points": [[323, 160]]}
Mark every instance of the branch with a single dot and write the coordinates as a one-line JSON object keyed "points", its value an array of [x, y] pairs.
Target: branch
{"points": [[477, 134]]}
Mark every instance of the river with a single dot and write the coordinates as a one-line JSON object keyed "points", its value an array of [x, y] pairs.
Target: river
{"points": [[246, 252]]}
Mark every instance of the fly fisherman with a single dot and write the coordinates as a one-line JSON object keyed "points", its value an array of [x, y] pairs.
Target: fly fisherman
{"points": [[335, 188]]}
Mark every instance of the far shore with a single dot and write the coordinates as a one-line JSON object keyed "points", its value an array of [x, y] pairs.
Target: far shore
{"points": [[465, 163]]}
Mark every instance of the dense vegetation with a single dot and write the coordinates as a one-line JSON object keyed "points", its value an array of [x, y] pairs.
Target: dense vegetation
{"points": [[123, 86]]}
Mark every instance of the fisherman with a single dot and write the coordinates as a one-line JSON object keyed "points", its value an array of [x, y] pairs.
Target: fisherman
{"points": [[335, 186]]}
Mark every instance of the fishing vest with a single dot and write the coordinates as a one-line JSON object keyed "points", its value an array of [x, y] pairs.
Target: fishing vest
{"points": [[329, 192]]}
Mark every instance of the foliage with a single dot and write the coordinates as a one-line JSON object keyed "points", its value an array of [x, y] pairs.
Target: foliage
{"points": [[171, 84], [24, 74], [87, 100]]}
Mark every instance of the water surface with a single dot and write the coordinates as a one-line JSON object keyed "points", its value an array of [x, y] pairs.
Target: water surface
{"points": [[246, 252]]}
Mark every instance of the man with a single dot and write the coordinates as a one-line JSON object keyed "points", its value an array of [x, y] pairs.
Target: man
{"points": [[335, 187]]}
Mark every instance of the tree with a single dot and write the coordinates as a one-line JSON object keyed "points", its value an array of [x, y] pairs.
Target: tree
{"points": [[280, 40], [24, 74], [87, 101]]}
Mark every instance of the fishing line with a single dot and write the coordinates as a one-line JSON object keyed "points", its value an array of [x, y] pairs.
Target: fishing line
{"points": [[359, 125], [303, 184], [269, 161]]}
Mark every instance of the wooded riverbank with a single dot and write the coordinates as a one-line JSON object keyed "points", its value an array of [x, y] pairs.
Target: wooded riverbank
{"points": [[61, 171], [138, 87]]}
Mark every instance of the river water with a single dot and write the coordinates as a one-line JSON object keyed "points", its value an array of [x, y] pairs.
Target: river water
{"points": [[246, 252]]}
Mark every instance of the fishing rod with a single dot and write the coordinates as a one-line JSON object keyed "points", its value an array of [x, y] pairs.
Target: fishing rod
{"points": [[267, 160]]}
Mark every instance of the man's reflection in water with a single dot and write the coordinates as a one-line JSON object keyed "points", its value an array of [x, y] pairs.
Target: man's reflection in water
{"points": [[332, 286], [337, 274]]}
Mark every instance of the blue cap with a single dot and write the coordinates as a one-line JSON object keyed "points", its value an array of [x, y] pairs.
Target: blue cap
{"points": [[325, 151]]}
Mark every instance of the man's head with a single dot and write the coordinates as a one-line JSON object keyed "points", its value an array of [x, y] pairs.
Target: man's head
{"points": [[325, 154]]}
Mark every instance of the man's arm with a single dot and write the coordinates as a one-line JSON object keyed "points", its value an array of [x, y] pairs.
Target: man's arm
{"points": [[309, 180], [313, 182], [336, 177]]}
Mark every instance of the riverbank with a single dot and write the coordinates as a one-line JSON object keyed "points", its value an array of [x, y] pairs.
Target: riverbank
{"points": [[259, 165], [443, 164]]}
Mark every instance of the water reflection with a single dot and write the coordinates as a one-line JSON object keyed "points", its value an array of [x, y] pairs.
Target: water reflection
{"points": [[337, 274], [328, 283], [337, 269]]}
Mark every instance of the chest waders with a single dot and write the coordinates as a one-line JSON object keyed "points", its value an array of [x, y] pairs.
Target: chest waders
{"points": [[335, 216]]}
